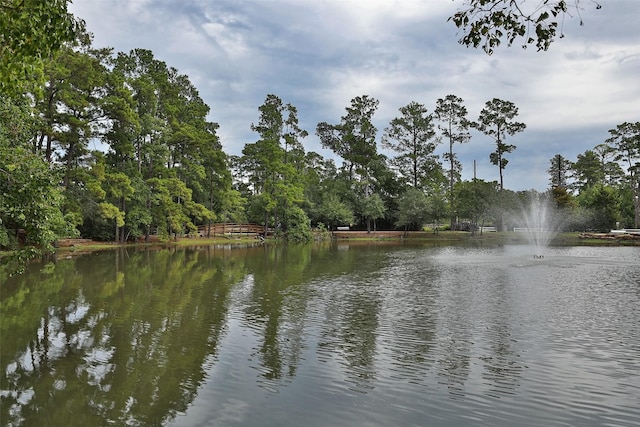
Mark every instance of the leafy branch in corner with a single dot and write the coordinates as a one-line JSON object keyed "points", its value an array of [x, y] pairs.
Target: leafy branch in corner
{"points": [[487, 23]]}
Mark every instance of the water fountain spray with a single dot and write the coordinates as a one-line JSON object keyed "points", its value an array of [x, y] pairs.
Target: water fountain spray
{"points": [[541, 223]]}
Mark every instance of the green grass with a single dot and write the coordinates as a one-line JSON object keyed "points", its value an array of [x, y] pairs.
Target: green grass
{"points": [[96, 246]]}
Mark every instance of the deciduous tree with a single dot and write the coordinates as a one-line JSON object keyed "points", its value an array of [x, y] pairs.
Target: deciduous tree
{"points": [[477, 200], [602, 204], [373, 208], [413, 209], [30, 197], [30, 32], [334, 212]]}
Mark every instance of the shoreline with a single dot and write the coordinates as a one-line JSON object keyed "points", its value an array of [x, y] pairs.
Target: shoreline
{"points": [[71, 247], [504, 237]]}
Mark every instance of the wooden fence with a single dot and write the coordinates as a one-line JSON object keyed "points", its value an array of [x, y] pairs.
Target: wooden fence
{"points": [[226, 228]]}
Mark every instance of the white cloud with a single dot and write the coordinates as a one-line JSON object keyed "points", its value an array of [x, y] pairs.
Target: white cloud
{"points": [[318, 55]]}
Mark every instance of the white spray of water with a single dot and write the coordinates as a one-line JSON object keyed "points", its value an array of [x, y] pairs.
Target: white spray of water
{"points": [[540, 224]]}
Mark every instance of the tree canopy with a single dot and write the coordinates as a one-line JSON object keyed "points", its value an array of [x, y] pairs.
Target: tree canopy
{"points": [[413, 137], [30, 32]]}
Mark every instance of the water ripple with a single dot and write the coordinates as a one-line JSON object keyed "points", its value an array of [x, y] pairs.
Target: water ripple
{"points": [[452, 337]]}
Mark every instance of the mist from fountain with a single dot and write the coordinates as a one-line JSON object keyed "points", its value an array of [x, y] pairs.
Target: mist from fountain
{"points": [[541, 223]]}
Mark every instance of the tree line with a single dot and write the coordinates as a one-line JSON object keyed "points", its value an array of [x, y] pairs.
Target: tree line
{"points": [[163, 171]]}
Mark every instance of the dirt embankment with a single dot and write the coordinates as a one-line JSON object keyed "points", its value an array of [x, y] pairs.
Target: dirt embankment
{"points": [[611, 236], [70, 243], [397, 234]]}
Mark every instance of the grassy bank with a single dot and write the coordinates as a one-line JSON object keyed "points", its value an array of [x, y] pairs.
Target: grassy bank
{"points": [[205, 241]]}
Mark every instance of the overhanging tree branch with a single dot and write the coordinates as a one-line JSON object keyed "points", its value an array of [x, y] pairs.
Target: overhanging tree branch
{"points": [[487, 23]]}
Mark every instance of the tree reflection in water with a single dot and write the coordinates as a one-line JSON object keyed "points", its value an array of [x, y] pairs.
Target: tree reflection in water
{"points": [[121, 341], [334, 333]]}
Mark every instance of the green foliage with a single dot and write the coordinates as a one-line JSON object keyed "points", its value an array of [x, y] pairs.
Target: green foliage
{"points": [[173, 208], [334, 212], [454, 126], [109, 211], [413, 209], [231, 206], [373, 208], [437, 208], [477, 200], [31, 31], [30, 199], [354, 138], [562, 198], [627, 209], [559, 171], [70, 103], [298, 227], [276, 186], [602, 203], [412, 136], [486, 23], [588, 170], [625, 142], [363, 170], [495, 121]]}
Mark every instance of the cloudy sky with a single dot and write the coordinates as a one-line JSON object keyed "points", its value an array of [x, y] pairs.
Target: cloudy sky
{"points": [[320, 54]]}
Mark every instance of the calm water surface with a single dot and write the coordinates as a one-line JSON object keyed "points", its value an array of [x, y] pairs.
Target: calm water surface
{"points": [[340, 334]]}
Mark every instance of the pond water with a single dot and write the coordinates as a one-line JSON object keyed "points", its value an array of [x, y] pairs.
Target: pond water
{"points": [[334, 334]]}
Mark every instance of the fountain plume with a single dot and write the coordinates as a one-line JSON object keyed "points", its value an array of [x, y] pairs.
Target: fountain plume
{"points": [[540, 223]]}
